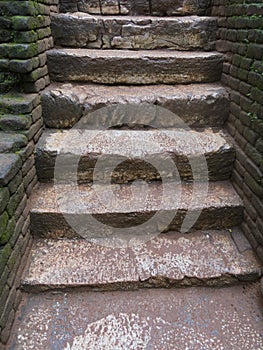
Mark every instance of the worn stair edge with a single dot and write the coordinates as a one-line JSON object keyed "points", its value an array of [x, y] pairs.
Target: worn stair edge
{"points": [[138, 7], [101, 211], [148, 155], [197, 105], [201, 258], [211, 318], [134, 67], [136, 33]]}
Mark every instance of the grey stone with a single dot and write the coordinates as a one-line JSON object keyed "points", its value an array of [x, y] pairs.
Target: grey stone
{"points": [[187, 33], [134, 67], [10, 142], [137, 7], [4, 198], [220, 208], [143, 157], [10, 164], [197, 105], [18, 103], [11, 122], [172, 258]]}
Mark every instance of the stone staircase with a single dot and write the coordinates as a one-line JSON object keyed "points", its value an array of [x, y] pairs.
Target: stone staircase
{"points": [[134, 155]]}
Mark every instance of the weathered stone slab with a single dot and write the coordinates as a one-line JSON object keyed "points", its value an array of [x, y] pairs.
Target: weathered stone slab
{"points": [[11, 122], [9, 166], [134, 67], [145, 156], [173, 318], [146, 33], [208, 257], [137, 7], [197, 105], [117, 206], [10, 142], [18, 103]]}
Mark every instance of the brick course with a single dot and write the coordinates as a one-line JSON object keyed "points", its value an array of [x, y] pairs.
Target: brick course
{"points": [[240, 37], [25, 37]]}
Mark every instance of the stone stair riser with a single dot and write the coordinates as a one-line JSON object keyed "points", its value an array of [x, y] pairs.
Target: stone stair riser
{"points": [[196, 105], [198, 33], [137, 7], [54, 225], [136, 68], [219, 168]]}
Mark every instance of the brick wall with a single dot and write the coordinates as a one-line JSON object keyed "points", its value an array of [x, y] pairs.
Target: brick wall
{"points": [[240, 38], [25, 36]]}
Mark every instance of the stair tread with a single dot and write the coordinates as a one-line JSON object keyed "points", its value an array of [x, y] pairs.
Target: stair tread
{"points": [[125, 7], [85, 91], [128, 32], [203, 255], [134, 67], [127, 18], [196, 104], [64, 210], [138, 143], [134, 54], [135, 18], [211, 318], [142, 149], [220, 194]]}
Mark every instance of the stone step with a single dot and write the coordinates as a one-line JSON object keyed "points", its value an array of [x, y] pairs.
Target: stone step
{"points": [[181, 318], [125, 32], [198, 105], [134, 67], [201, 258], [128, 212], [137, 7], [121, 156]]}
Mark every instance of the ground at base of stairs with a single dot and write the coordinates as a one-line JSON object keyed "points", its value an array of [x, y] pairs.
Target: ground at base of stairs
{"points": [[191, 318]]}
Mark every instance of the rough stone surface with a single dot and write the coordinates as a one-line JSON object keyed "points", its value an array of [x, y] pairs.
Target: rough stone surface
{"points": [[145, 156], [197, 105], [146, 33], [10, 142], [134, 67], [137, 7], [208, 257], [193, 318], [125, 207], [18, 103], [9, 166]]}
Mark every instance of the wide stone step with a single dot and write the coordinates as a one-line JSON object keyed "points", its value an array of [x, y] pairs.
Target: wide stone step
{"points": [[137, 7], [180, 318], [198, 105], [200, 258], [127, 212], [124, 32], [121, 156], [134, 67]]}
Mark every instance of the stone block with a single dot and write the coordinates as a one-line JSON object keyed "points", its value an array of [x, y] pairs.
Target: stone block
{"points": [[255, 186], [5, 252], [8, 232], [3, 226], [24, 66], [15, 182], [11, 122], [4, 198], [10, 164], [15, 200], [10, 142], [15, 103]]}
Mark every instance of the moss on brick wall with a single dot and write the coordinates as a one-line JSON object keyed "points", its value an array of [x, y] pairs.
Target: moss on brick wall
{"points": [[24, 38], [240, 38]]}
